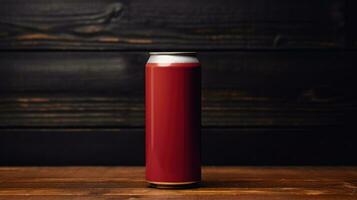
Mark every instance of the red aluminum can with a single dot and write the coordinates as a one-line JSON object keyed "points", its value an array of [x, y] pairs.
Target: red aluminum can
{"points": [[173, 119]]}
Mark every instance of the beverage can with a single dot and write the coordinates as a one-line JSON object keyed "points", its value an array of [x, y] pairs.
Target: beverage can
{"points": [[173, 119]]}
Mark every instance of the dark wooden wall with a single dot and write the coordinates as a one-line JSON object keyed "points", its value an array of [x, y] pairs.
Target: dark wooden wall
{"points": [[279, 79]]}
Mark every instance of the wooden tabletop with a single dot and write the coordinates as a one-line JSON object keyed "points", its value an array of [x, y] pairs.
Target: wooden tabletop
{"points": [[252, 183]]}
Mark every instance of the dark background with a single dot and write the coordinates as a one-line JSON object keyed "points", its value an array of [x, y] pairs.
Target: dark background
{"points": [[279, 79]]}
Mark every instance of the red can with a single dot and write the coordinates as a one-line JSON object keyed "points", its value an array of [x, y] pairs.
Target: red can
{"points": [[173, 119]]}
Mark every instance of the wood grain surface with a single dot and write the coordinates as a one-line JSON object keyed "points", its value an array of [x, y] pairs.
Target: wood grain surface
{"points": [[240, 89], [184, 24], [259, 107], [245, 183]]}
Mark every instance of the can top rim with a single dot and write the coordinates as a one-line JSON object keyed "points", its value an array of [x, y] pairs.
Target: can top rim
{"points": [[172, 53]]}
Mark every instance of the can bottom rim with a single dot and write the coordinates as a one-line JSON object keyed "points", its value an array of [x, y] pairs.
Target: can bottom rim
{"points": [[173, 185]]}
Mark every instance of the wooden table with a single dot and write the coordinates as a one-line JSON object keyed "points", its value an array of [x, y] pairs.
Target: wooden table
{"points": [[253, 183]]}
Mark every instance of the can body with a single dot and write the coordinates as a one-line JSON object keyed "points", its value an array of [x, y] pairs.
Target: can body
{"points": [[173, 119]]}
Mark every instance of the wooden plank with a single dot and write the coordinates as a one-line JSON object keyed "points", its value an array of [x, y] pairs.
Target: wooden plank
{"points": [[240, 89], [220, 146], [294, 183], [69, 112], [160, 24]]}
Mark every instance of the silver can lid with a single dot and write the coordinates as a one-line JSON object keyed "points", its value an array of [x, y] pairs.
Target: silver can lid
{"points": [[172, 53]]}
